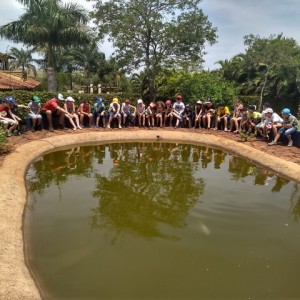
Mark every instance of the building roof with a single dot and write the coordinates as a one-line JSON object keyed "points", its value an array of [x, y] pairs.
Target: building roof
{"points": [[10, 80]]}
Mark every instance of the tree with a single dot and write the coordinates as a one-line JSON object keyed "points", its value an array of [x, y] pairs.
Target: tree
{"points": [[152, 34], [270, 68], [23, 60], [88, 57], [196, 86], [48, 24]]}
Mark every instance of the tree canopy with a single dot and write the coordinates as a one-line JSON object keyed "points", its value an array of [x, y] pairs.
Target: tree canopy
{"points": [[49, 24], [270, 68], [151, 34]]}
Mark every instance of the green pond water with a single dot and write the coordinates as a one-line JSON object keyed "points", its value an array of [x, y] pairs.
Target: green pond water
{"points": [[160, 221]]}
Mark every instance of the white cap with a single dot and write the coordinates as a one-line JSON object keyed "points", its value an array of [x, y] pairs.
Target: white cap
{"points": [[268, 110], [71, 99], [140, 101], [60, 97]]}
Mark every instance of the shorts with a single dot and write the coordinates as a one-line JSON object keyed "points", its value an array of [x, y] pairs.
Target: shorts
{"points": [[286, 131], [8, 121], [33, 116]]}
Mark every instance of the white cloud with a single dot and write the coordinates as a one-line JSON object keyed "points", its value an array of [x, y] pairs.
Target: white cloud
{"points": [[237, 18]]}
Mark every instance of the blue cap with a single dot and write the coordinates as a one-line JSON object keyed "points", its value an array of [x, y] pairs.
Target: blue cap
{"points": [[99, 99], [286, 111], [10, 99]]}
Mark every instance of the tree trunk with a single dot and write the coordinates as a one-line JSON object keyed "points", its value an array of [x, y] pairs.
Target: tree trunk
{"points": [[262, 90], [52, 87]]}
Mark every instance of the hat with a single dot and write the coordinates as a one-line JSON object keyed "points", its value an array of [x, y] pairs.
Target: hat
{"points": [[139, 101], [152, 104], [71, 99], [115, 100], [36, 99], [99, 99], [252, 107], [168, 102], [179, 97], [286, 111], [199, 102], [268, 110], [60, 97], [10, 99]]}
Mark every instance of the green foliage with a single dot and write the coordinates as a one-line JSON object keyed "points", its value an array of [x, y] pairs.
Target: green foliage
{"points": [[270, 69], [153, 34], [24, 97], [245, 136], [23, 61], [196, 86], [249, 100], [49, 24], [5, 148]]}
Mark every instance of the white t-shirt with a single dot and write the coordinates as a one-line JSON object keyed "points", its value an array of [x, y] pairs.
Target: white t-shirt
{"points": [[275, 118], [179, 107]]}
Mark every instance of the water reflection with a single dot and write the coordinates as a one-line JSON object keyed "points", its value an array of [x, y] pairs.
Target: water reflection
{"points": [[145, 173], [166, 220], [149, 185]]}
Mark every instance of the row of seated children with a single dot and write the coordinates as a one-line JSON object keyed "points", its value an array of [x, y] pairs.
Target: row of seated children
{"points": [[266, 124], [9, 117], [161, 114], [205, 114]]}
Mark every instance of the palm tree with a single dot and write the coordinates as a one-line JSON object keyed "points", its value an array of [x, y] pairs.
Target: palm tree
{"points": [[23, 60], [49, 24], [88, 57]]}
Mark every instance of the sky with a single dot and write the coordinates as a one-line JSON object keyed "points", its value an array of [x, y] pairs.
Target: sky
{"points": [[234, 19]]}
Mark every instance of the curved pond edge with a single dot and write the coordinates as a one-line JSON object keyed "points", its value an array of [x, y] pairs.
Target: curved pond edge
{"points": [[16, 279]]}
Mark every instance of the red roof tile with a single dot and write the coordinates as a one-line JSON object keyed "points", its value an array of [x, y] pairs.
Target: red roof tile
{"points": [[14, 81]]}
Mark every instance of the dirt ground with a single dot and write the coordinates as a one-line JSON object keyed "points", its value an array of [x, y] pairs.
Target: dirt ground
{"points": [[16, 280], [287, 153]]}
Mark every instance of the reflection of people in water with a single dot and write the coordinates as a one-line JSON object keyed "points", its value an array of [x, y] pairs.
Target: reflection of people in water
{"points": [[280, 182], [100, 153], [206, 157], [240, 168], [219, 158], [261, 176], [196, 154], [186, 152], [71, 158]]}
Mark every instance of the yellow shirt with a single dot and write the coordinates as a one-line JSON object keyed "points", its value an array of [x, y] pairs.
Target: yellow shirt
{"points": [[223, 111]]}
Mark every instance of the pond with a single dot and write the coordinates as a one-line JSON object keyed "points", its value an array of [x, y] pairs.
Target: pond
{"points": [[160, 221]]}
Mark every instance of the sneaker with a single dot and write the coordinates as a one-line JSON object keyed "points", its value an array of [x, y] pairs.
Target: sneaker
{"points": [[272, 143], [51, 129], [290, 143], [108, 126]]}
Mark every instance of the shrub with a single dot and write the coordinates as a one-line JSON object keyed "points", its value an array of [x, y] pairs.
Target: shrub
{"points": [[5, 147]]}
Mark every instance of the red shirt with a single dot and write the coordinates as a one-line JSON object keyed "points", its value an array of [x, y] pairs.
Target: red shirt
{"points": [[4, 108], [52, 105]]}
